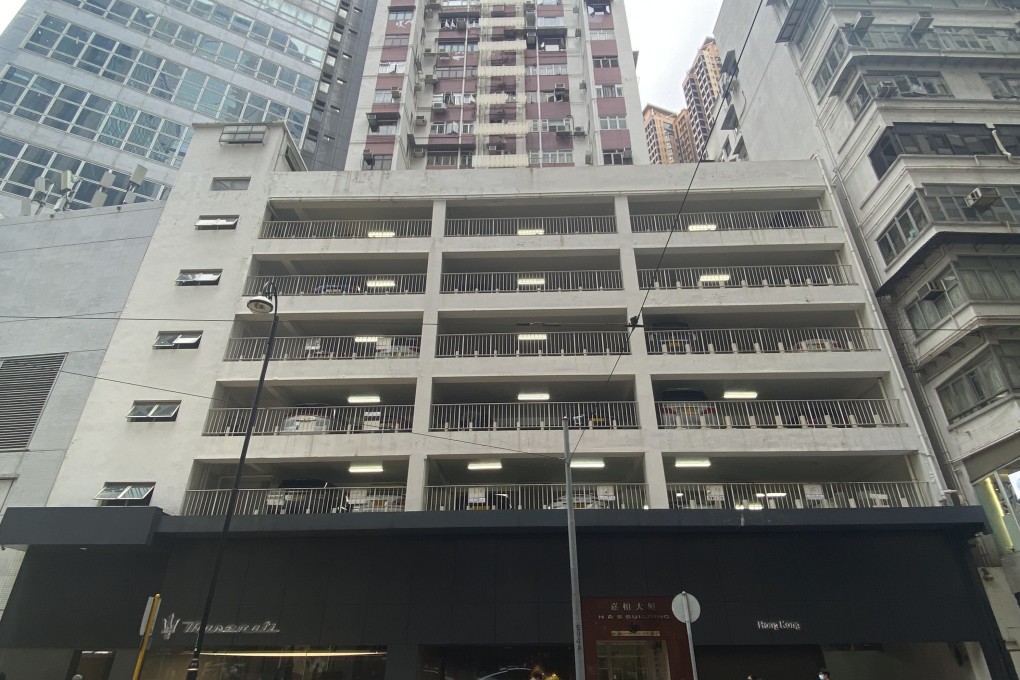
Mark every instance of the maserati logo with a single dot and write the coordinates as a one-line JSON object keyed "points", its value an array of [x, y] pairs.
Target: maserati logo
{"points": [[170, 624]]}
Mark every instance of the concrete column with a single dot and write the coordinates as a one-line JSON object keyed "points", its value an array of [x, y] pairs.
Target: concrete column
{"points": [[416, 468], [430, 317], [655, 477]]}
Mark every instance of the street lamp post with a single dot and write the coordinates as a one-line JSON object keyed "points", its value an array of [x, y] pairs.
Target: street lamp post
{"points": [[265, 303], [575, 586]]}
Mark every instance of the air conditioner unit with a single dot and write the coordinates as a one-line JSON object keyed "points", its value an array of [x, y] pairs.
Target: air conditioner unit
{"points": [[932, 290], [583, 86], [562, 130], [395, 92], [864, 21], [982, 198], [368, 157], [461, 24], [430, 79], [577, 32], [420, 121], [418, 151], [560, 87], [373, 122], [439, 107], [628, 156], [579, 131], [494, 148], [886, 89], [587, 159], [922, 23], [429, 52]]}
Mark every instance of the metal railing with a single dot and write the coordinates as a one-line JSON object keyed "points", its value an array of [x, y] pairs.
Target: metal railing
{"points": [[754, 413], [299, 420], [523, 282], [535, 497], [346, 229], [595, 415], [532, 344], [326, 347], [798, 496], [339, 284], [759, 340], [747, 277], [530, 226], [732, 221], [314, 501]]}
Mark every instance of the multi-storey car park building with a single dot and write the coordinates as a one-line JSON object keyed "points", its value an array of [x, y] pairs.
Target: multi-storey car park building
{"points": [[98, 86], [911, 108], [751, 440], [468, 84]]}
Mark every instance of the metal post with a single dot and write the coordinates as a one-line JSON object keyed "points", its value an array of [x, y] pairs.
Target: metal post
{"points": [[575, 587], [192, 672], [690, 635]]}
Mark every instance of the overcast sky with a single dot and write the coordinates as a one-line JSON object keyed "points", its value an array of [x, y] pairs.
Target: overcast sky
{"points": [[667, 33]]}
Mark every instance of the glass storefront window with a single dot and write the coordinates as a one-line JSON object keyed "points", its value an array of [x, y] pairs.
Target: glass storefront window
{"points": [[272, 664]]}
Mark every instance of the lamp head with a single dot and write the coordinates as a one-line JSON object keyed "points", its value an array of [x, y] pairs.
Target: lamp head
{"points": [[260, 304]]}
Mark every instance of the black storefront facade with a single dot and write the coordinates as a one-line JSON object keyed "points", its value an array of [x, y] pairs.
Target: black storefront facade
{"points": [[469, 595]]}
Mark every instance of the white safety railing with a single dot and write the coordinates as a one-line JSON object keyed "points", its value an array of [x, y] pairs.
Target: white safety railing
{"points": [[533, 343], [759, 340], [747, 277], [524, 282], [530, 226], [326, 347], [600, 496], [346, 229], [754, 413], [339, 284], [312, 501], [299, 420], [798, 496], [732, 221], [595, 415]]}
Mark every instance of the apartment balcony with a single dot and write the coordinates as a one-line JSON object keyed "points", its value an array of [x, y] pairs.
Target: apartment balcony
{"points": [[764, 496], [600, 496], [581, 415], [316, 500], [318, 348], [779, 414], [345, 229], [309, 419], [531, 226], [533, 343], [751, 220], [339, 284]]}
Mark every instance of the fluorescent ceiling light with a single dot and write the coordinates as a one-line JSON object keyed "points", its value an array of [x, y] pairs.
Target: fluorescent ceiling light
{"points": [[363, 399], [714, 278], [771, 494], [531, 336], [692, 463], [533, 396], [702, 227], [365, 468], [588, 463], [381, 283], [366, 338], [755, 506], [485, 465], [531, 232], [538, 281], [381, 234], [739, 394]]}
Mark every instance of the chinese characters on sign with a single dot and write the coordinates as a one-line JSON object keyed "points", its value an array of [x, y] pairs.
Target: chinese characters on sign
{"points": [[632, 610]]}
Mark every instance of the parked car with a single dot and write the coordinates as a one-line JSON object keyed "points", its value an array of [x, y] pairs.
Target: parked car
{"points": [[303, 495], [310, 419], [685, 407]]}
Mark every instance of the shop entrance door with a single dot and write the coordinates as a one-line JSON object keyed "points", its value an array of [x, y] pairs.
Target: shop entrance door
{"points": [[644, 660]]}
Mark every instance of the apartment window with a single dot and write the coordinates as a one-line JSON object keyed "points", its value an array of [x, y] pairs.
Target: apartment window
{"points": [[456, 72], [396, 40], [392, 67], [400, 15], [551, 124], [602, 35], [608, 91], [25, 385], [125, 494], [830, 64], [892, 84], [936, 139], [377, 162], [904, 228], [617, 157], [230, 183], [1003, 85], [947, 203], [445, 128], [215, 222], [552, 45], [153, 411], [442, 159], [977, 385], [809, 27], [177, 340], [990, 278], [859, 98], [383, 129], [617, 122], [606, 62], [243, 134], [457, 47], [555, 157], [546, 70], [199, 277], [929, 311], [385, 97]]}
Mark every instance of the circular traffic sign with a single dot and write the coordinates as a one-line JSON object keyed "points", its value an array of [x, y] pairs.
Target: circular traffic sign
{"points": [[691, 612]]}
